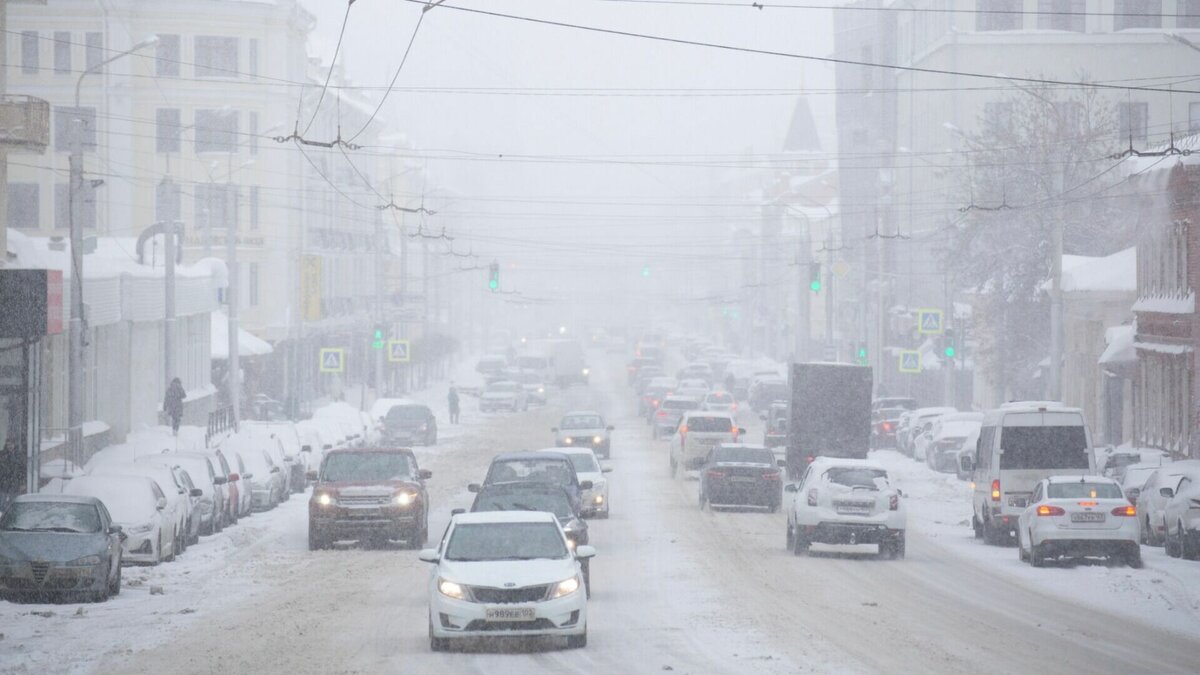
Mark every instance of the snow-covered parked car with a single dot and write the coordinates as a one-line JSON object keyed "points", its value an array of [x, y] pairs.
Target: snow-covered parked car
{"points": [[948, 438], [1181, 514], [357, 426], [179, 497], [846, 501], [286, 451], [506, 573], [1076, 516], [263, 481], [138, 505], [1152, 503]]}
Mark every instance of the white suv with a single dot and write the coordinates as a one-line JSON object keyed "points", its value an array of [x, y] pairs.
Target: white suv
{"points": [[697, 433], [846, 501]]}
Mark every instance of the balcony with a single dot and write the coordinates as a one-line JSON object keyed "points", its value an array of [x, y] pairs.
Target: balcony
{"points": [[24, 123]]}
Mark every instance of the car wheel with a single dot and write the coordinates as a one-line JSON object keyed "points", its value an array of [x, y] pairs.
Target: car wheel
{"points": [[991, 536], [174, 545], [799, 543], [1037, 556], [1144, 535], [1187, 550], [703, 499], [182, 542], [1021, 555], [577, 641], [898, 547], [788, 546], [977, 526], [101, 595], [315, 541], [114, 587], [218, 523], [674, 467], [437, 644], [1133, 557], [1173, 547]]}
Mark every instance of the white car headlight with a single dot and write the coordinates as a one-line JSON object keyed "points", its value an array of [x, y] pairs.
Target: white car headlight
{"points": [[597, 440], [598, 499], [141, 529], [566, 587], [568, 440], [404, 498], [451, 590]]}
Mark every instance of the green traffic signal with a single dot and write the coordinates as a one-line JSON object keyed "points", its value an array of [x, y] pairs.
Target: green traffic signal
{"points": [[815, 285], [493, 284], [950, 351]]}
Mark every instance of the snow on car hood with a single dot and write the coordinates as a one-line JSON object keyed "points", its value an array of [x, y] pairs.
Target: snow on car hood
{"points": [[501, 573], [499, 394], [51, 546], [591, 431]]}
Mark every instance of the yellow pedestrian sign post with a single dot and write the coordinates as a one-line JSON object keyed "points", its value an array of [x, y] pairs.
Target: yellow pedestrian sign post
{"points": [[398, 351], [910, 361], [930, 322], [333, 360]]}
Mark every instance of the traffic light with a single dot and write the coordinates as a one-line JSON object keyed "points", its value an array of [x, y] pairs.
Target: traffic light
{"points": [[814, 270], [494, 277], [646, 271], [949, 348], [377, 342], [861, 353]]}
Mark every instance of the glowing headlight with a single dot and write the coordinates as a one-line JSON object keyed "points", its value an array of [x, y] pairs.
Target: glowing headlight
{"points": [[599, 499], [568, 440], [86, 560], [324, 499], [566, 587], [451, 589], [141, 529], [571, 544], [586, 371], [541, 390], [404, 498], [597, 440]]}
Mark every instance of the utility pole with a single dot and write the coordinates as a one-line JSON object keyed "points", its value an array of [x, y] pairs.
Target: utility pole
{"points": [[231, 295], [1054, 380], [380, 280], [829, 345], [169, 231]]}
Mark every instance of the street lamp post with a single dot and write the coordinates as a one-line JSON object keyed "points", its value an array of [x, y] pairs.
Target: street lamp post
{"points": [[75, 187]]}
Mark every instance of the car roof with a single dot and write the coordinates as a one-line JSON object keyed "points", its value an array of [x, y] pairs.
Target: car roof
{"points": [[835, 462], [1081, 478], [581, 413], [486, 517], [568, 451], [744, 446], [708, 413], [523, 486], [44, 497], [530, 454], [381, 451]]}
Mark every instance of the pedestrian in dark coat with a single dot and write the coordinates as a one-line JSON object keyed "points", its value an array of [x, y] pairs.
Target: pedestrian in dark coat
{"points": [[173, 403]]}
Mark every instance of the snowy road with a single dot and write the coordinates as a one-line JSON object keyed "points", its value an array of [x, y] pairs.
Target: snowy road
{"points": [[674, 588]]}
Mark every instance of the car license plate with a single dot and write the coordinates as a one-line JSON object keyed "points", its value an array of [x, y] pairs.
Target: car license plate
{"points": [[509, 614], [854, 510], [1087, 517], [742, 479]]}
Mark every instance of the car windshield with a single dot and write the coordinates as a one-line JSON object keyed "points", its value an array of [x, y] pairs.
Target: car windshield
{"points": [[51, 517], [406, 413], [581, 422], [709, 424], [680, 404], [744, 455], [502, 386], [474, 542], [1044, 447], [551, 501], [532, 362], [343, 467], [1083, 490], [720, 398], [549, 470], [857, 477], [584, 463]]}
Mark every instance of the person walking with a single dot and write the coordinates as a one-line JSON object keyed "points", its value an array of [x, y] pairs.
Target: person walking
{"points": [[173, 404], [452, 399]]}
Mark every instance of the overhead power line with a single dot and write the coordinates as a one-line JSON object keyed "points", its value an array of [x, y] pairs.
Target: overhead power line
{"points": [[758, 5]]}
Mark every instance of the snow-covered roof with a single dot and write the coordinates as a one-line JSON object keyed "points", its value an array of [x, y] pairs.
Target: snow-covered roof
{"points": [[1120, 345], [1184, 305], [1116, 272], [248, 344], [113, 257]]}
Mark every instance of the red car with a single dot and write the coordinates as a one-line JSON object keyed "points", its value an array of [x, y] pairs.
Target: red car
{"points": [[369, 495]]}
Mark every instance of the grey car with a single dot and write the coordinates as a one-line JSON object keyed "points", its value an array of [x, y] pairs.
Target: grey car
{"points": [[59, 545]]}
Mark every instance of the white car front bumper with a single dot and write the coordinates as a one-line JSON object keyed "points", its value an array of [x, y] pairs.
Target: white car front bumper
{"points": [[450, 618]]}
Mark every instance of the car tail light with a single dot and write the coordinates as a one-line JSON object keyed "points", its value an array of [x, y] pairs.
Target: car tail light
{"points": [[771, 475], [886, 426], [654, 402], [715, 473], [893, 502], [1130, 510], [996, 490], [1050, 510], [812, 497], [733, 407], [661, 413]]}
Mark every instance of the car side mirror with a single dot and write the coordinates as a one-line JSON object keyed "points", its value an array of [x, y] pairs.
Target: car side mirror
{"points": [[554, 430], [424, 474], [791, 487], [274, 469], [585, 485], [220, 480], [248, 476], [310, 475], [161, 503], [473, 487], [429, 555], [606, 469], [781, 463], [584, 552], [306, 448], [610, 428], [196, 492], [115, 529], [1166, 492]]}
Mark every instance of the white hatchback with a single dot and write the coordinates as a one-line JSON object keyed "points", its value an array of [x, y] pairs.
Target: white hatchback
{"points": [[846, 502], [506, 573], [1078, 516]]}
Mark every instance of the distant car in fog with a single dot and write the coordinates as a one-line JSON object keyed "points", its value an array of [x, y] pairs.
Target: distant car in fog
{"points": [[503, 395], [584, 429]]}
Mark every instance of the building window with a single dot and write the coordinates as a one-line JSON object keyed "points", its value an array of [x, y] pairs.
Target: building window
{"points": [[216, 56], [1133, 121], [216, 130], [252, 57], [62, 52], [1187, 13], [998, 15], [23, 206], [253, 207], [166, 56], [167, 205], [215, 205], [252, 284], [93, 51], [1062, 15], [1137, 14], [30, 52], [64, 117], [168, 130], [253, 133], [62, 206]]}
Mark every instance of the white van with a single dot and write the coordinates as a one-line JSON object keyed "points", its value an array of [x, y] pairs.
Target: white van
{"points": [[1019, 445]]}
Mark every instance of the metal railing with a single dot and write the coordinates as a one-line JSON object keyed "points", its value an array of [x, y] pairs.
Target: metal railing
{"points": [[220, 421]]}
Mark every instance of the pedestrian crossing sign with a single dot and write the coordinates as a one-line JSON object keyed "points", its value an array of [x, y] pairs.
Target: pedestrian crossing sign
{"points": [[910, 361], [398, 351], [929, 322], [333, 360]]}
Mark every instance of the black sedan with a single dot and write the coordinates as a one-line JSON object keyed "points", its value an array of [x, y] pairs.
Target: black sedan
{"points": [[55, 545], [737, 474]]}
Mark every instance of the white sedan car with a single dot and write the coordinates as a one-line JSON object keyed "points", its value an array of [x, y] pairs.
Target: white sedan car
{"points": [[846, 501], [1078, 516], [506, 573], [138, 505], [594, 500]]}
